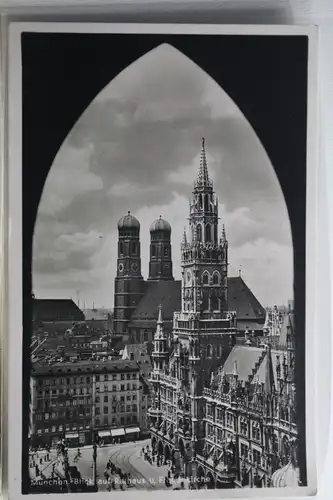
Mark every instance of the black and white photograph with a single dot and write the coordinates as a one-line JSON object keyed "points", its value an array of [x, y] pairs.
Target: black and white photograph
{"points": [[163, 342]]}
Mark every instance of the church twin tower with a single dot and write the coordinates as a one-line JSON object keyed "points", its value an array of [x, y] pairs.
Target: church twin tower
{"points": [[129, 283], [204, 257]]}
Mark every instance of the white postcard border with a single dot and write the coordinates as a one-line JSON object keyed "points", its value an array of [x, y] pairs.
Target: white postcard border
{"points": [[15, 244]]}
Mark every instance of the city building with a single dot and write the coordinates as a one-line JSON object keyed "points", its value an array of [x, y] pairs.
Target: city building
{"points": [[222, 410], [73, 399], [136, 300], [50, 314]]}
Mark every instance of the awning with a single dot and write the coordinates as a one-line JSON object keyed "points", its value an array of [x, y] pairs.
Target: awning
{"points": [[117, 432], [103, 434], [132, 430], [71, 435]]}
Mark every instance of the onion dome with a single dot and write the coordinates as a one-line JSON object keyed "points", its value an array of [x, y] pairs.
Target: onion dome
{"points": [[160, 225], [286, 477], [128, 222]]}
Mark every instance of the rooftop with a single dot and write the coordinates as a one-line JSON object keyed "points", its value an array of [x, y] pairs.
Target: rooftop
{"points": [[56, 310], [84, 366]]}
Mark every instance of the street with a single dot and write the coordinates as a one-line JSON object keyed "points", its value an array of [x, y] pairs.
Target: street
{"points": [[126, 456]]}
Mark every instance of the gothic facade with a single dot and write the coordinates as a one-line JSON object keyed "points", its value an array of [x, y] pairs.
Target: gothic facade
{"points": [[221, 411]]}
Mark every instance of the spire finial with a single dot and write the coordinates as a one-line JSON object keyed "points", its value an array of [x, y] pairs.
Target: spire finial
{"points": [[160, 315], [203, 179]]}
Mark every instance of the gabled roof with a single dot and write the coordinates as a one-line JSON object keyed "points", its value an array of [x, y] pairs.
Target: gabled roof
{"points": [[56, 310], [167, 293], [242, 300], [246, 357]]}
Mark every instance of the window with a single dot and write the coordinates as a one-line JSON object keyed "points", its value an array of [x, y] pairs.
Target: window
{"points": [[128, 387], [122, 420], [205, 279], [121, 248], [244, 450], [106, 410], [114, 409], [106, 387], [122, 376], [128, 376], [134, 397], [97, 378], [255, 432], [134, 376], [128, 408], [133, 407], [122, 409], [134, 248], [208, 236], [114, 421], [122, 399], [243, 428], [153, 251], [98, 411], [215, 279], [209, 351], [114, 377], [256, 457], [106, 399], [199, 232], [122, 388], [114, 388]]}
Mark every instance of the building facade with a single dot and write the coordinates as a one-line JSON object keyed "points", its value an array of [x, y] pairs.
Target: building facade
{"points": [[74, 400], [224, 413]]}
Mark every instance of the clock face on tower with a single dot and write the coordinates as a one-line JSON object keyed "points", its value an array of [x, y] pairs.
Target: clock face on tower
{"points": [[135, 267], [120, 267]]}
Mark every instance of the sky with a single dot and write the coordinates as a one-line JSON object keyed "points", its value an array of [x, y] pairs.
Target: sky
{"points": [[137, 147]]}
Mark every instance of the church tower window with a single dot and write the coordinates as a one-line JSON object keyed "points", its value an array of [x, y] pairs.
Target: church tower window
{"points": [[205, 279], [209, 351], [121, 248], [206, 203], [208, 236], [199, 232], [216, 278], [134, 248], [153, 251]]}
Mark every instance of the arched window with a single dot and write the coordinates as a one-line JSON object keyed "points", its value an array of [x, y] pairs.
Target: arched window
{"points": [[166, 252], [208, 235], [153, 251], [209, 351], [121, 248], [205, 279], [199, 232], [206, 203], [134, 248], [200, 201], [205, 300], [215, 301], [216, 278]]}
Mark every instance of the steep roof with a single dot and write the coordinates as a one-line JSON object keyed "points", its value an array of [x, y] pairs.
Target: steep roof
{"points": [[56, 310], [246, 357], [167, 293], [242, 300]]}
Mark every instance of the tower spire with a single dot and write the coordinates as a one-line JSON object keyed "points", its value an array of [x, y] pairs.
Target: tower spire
{"points": [[159, 326], [203, 179]]}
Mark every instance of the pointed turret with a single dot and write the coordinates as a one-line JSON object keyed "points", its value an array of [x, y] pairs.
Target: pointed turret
{"points": [[269, 374], [159, 328], [184, 239], [223, 239], [203, 179]]}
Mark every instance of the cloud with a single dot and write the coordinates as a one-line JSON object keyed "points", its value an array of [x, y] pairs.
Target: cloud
{"points": [[137, 148]]}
